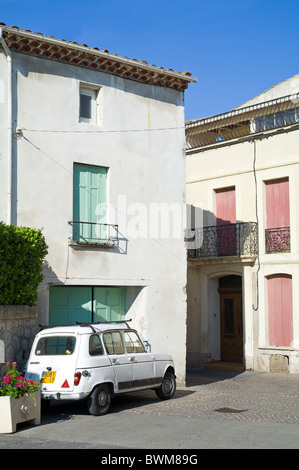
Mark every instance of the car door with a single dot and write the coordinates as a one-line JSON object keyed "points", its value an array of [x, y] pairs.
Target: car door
{"points": [[120, 361], [143, 363]]}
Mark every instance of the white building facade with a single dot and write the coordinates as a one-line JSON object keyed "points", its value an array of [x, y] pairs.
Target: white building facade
{"points": [[92, 149], [242, 171]]}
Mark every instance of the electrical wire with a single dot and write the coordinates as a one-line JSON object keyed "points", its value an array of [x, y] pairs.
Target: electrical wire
{"points": [[68, 171], [99, 131]]}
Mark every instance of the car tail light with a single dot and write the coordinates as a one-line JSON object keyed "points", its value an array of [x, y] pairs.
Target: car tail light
{"points": [[77, 378]]}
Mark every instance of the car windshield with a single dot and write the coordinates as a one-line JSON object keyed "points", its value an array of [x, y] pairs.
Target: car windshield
{"points": [[55, 346]]}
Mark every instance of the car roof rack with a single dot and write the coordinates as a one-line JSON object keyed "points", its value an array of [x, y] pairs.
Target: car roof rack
{"points": [[90, 324], [43, 327]]}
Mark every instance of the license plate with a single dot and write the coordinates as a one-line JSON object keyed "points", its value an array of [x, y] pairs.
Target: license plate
{"points": [[48, 377]]}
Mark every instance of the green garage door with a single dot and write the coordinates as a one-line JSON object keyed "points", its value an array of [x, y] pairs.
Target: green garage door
{"points": [[69, 305], [109, 304]]}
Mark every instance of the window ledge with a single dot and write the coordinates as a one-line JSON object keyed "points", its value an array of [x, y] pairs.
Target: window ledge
{"points": [[275, 348], [100, 244]]}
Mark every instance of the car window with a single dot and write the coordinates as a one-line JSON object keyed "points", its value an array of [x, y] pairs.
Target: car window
{"points": [[55, 346], [113, 342], [95, 346], [132, 342]]}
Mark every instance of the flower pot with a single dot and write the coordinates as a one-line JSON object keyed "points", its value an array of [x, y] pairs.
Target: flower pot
{"points": [[19, 410]]}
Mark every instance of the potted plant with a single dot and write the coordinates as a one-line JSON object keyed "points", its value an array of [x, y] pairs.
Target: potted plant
{"points": [[19, 399]]}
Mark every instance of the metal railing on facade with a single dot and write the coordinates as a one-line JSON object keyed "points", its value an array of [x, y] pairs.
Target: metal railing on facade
{"points": [[240, 239], [94, 233], [278, 240], [242, 122]]}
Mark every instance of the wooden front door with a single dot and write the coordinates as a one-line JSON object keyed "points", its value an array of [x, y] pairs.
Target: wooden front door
{"points": [[231, 327]]}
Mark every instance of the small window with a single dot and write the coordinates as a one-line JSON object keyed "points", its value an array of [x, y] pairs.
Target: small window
{"points": [[272, 121], [133, 342], [56, 346], [85, 106], [88, 105], [113, 342], [95, 346]]}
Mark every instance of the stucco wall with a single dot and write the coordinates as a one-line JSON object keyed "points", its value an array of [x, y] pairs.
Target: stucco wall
{"points": [[140, 139], [276, 156]]}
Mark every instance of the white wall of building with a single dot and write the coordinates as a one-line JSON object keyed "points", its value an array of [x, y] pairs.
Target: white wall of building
{"points": [[140, 139]]}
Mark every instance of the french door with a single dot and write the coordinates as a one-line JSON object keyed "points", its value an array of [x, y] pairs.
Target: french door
{"points": [[89, 203], [280, 310], [226, 221]]}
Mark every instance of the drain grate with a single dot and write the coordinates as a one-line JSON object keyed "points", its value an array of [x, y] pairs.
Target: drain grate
{"points": [[229, 410]]}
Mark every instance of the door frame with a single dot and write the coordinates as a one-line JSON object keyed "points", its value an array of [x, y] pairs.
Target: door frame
{"points": [[233, 340]]}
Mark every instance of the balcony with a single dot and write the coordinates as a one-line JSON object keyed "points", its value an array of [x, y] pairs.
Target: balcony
{"points": [[95, 234], [231, 242], [278, 240], [239, 123]]}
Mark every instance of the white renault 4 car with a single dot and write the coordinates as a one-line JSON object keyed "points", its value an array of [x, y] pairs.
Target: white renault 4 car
{"points": [[97, 361]]}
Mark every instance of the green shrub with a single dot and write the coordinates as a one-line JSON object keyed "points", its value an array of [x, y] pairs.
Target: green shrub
{"points": [[22, 251]]}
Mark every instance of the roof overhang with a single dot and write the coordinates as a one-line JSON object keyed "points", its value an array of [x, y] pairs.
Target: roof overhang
{"points": [[47, 47]]}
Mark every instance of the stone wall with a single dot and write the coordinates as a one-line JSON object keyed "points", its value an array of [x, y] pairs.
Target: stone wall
{"points": [[18, 327]]}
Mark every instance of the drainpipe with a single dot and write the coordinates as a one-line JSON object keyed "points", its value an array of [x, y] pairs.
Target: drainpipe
{"points": [[9, 127]]}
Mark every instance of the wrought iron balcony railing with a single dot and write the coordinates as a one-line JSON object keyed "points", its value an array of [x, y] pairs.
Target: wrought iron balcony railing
{"points": [[278, 240], [243, 121], [239, 239], [90, 233]]}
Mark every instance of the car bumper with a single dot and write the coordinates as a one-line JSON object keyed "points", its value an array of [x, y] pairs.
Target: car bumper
{"points": [[63, 396]]}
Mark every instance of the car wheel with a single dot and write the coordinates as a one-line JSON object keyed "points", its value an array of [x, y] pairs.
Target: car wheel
{"points": [[99, 401], [167, 388]]}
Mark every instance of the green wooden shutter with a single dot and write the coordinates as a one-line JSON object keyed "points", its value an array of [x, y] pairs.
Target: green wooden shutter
{"points": [[109, 304], [90, 186], [68, 305]]}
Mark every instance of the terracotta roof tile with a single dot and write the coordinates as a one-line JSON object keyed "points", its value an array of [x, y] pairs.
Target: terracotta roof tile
{"points": [[25, 41]]}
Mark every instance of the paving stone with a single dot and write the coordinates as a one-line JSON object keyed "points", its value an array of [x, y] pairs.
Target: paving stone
{"points": [[263, 397]]}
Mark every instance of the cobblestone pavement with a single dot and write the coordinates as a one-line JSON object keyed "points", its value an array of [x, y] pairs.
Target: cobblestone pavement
{"points": [[214, 410], [251, 397]]}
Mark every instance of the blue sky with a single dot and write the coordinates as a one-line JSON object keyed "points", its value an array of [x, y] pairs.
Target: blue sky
{"points": [[236, 49]]}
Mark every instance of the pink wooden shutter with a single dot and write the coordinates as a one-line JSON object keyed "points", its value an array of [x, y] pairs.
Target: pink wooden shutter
{"points": [[280, 310], [226, 206], [277, 203], [226, 215]]}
